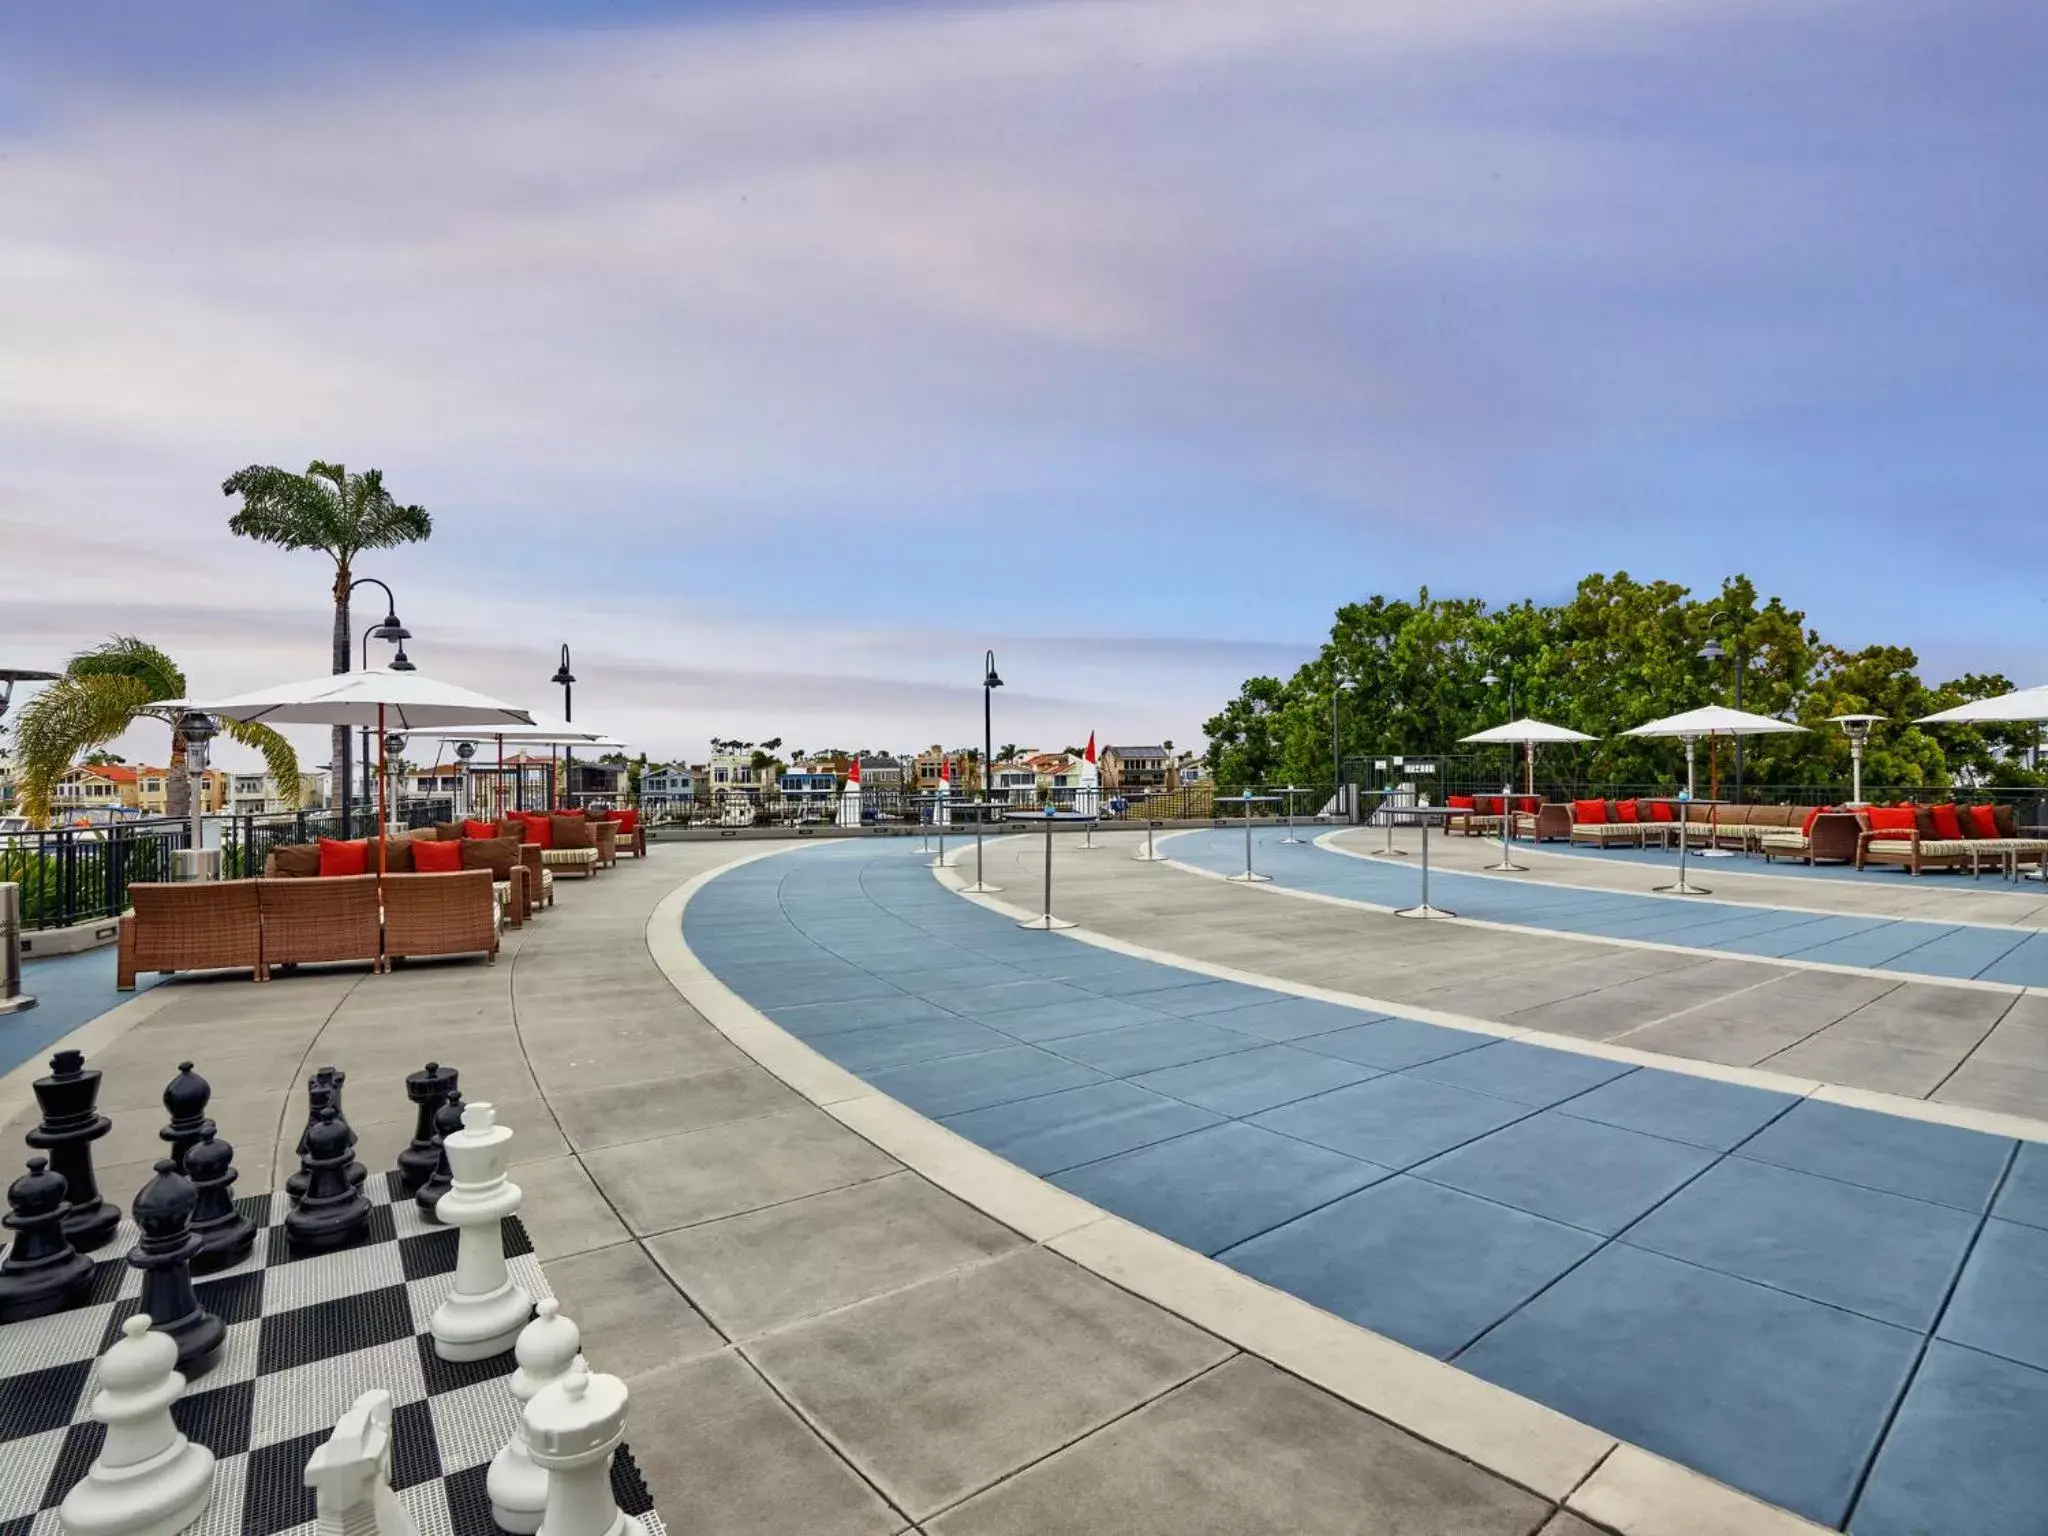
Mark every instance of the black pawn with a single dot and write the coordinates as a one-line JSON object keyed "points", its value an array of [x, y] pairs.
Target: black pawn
{"points": [[447, 1121], [42, 1272], [429, 1090], [225, 1234], [164, 1210], [322, 1088], [71, 1124], [332, 1212], [186, 1098]]}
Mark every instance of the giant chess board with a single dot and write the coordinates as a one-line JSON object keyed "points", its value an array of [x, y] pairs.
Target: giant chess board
{"points": [[305, 1336]]}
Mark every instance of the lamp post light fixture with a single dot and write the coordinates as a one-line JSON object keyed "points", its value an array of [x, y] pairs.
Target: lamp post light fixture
{"points": [[464, 751], [389, 628], [197, 729], [1857, 729], [565, 680]]}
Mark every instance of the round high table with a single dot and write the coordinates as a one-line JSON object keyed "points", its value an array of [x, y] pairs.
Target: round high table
{"points": [[1290, 792], [1248, 800], [1427, 815], [1045, 922], [1682, 886]]}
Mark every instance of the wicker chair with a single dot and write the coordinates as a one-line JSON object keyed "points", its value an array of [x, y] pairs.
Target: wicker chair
{"points": [[517, 885], [575, 848], [321, 920], [451, 914], [632, 832], [607, 835], [540, 880], [210, 926]]}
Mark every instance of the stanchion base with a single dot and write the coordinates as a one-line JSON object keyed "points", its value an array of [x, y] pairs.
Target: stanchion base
{"points": [[979, 888], [1388, 853], [1424, 911], [1505, 868], [1290, 840], [1249, 878], [21, 1002], [1682, 888], [1149, 858], [1713, 853], [1045, 923]]}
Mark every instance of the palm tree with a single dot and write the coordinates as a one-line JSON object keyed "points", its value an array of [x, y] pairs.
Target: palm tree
{"points": [[102, 693], [330, 510]]}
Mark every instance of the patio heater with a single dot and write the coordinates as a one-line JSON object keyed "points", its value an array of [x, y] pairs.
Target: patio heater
{"points": [[393, 745], [1857, 729], [465, 750], [198, 729], [565, 680]]}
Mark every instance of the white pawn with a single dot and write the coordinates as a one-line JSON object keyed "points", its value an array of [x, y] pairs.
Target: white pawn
{"points": [[572, 1428], [148, 1479], [350, 1475], [482, 1316], [546, 1349]]}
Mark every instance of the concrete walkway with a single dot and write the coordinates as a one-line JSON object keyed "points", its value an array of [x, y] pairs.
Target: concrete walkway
{"points": [[1970, 1047], [819, 1340]]}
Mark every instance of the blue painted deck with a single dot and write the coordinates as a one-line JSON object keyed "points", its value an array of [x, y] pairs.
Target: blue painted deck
{"points": [[69, 990], [1910, 946], [1839, 1311]]}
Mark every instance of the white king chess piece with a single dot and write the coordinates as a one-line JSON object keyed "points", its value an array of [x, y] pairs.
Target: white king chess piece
{"points": [[350, 1475], [148, 1479], [482, 1316], [518, 1489], [572, 1428]]}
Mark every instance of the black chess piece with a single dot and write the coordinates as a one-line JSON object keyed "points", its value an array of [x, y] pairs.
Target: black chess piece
{"points": [[71, 1124], [186, 1098], [225, 1234], [332, 1212], [447, 1121], [339, 1080], [429, 1090], [163, 1210], [42, 1272], [319, 1092]]}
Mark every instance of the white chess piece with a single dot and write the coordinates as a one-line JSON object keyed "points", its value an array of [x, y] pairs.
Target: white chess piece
{"points": [[572, 1428], [350, 1475], [482, 1316], [546, 1349], [148, 1479]]}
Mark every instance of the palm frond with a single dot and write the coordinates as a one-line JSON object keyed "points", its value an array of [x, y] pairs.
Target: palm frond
{"points": [[131, 657], [279, 760], [63, 722], [326, 508]]}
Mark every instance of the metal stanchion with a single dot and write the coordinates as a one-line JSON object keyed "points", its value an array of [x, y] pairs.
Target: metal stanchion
{"points": [[1250, 876], [1045, 921], [1149, 856], [1290, 793], [940, 861], [12, 998], [1423, 908], [981, 887], [1507, 824]]}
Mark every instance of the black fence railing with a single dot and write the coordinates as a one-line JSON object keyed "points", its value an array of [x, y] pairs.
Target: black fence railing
{"points": [[2030, 806], [890, 807]]}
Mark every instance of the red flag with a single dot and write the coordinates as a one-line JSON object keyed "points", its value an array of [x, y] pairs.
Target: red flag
{"points": [[945, 770], [853, 773], [1091, 746]]}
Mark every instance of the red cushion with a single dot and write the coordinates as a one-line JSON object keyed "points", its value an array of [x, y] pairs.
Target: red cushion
{"points": [[1625, 810], [1892, 818], [1486, 805], [1529, 803], [1945, 824], [1806, 826], [1591, 813], [1659, 811], [628, 820], [344, 858], [1983, 821], [436, 858], [540, 831], [1460, 803], [479, 829]]}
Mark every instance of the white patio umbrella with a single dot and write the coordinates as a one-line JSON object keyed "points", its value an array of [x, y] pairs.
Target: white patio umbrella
{"points": [[1527, 734], [542, 733], [2025, 704], [378, 698], [1714, 720]]}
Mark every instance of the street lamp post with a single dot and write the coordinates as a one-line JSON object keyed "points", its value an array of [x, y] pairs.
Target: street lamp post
{"points": [[389, 629], [1710, 653], [566, 680], [990, 682]]}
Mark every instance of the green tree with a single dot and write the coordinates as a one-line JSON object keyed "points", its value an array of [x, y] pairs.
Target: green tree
{"points": [[103, 692], [330, 510]]}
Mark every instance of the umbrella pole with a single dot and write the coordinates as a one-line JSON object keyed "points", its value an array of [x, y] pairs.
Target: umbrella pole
{"points": [[499, 785], [383, 808]]}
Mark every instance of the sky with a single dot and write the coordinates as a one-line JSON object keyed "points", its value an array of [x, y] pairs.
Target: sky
{"points": [[782, 359]]}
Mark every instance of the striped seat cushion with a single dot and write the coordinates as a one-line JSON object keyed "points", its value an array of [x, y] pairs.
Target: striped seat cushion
{"points": [[566, 858]]}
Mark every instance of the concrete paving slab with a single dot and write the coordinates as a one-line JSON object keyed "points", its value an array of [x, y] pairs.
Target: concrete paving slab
{"points": [[1248, 1081], [1395, 1120], [1596, 1177], [632, 1319], [563, 1211], [1247, 1449], [1906, 1157], [1996, 1307], [1524, 1074], [1694, 1110], [666, 1106], [937, 1391], [769, 1268], [1057, 1131]]}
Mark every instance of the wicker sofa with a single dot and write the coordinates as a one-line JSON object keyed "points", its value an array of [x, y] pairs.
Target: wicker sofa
{"points": [[1926, 844], [256, 925], [1823, 837]]}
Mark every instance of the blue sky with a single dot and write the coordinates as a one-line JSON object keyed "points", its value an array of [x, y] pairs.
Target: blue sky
{"points": [[781, 358]]}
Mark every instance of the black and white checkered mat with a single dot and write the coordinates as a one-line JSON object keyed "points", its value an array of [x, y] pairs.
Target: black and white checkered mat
{"points": [[305, 1338]]}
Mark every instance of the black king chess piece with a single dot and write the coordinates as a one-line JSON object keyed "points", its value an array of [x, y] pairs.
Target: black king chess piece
{"points": [[163, 1210], [185, 1099], [447, 1121], [429, 1090], [71, 1124], [42, 1272], [333, 1211], [225, 1234]]}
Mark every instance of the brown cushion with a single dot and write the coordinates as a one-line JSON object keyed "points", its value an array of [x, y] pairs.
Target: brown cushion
{"points": [[445, 832], [1923, 818], [497, 854], [295, 861], [397, 857], [2008, 824], [572, 832]]}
